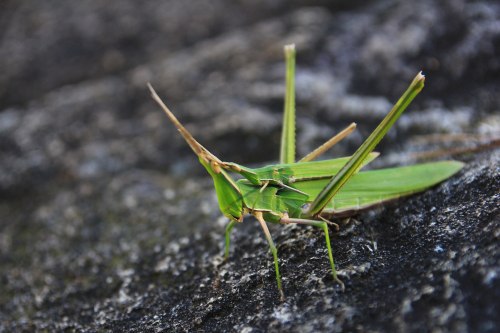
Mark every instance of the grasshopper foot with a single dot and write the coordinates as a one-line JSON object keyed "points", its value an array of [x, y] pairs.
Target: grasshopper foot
{"points": [[339, 281]]}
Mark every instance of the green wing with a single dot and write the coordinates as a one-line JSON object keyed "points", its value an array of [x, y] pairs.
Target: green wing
{"points": [[369, 188], [295, 172], [280, 196]]}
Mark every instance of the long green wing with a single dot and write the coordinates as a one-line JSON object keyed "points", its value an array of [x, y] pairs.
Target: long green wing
{"points": [[370, 188], [295, 172]]}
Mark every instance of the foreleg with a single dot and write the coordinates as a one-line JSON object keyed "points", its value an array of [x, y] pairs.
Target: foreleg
{"points": [[227, 236], [274, 251]]}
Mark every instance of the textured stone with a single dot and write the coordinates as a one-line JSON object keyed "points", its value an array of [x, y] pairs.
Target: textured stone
{"points": [[108, 222]]}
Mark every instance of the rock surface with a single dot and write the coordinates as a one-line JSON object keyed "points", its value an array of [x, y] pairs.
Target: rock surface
{"points": [[108, 222]]}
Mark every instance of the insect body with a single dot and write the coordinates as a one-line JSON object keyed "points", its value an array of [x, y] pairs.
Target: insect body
{"points": [[312, 192]]}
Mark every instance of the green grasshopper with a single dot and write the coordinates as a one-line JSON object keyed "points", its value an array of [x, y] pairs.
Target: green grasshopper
{"points": [[312, 192]]}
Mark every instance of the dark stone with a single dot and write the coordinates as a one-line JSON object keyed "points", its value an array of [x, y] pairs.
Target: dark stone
{"points": [[108, 222]]}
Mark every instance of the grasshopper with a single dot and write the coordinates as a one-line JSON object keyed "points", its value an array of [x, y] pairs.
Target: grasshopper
{"points": [[312, 192]]}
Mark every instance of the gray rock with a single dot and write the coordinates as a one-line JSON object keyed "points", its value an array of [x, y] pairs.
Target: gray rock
{"points": [[108, 222]]}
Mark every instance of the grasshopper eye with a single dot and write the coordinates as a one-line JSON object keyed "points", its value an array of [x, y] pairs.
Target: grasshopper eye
{"points": [[305, 207]]}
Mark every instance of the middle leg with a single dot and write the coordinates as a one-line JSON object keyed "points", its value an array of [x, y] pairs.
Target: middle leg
{"points": [[323, 225], [274, 251]]}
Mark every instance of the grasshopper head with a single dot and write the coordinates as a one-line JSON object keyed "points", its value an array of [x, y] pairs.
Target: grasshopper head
{"points": [[228, 194]]}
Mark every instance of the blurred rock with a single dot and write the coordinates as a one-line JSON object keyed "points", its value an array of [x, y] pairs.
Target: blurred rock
{"points": [[107, 221]]}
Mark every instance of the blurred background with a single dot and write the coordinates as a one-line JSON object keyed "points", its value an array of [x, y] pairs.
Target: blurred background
{"points": [[72, 92], [93, 178]]}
